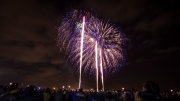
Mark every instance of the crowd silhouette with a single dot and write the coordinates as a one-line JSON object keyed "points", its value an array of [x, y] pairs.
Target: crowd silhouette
{"points": [[150, 92]]}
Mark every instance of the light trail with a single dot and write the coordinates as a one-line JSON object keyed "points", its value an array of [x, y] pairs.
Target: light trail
{"points": [[102, 77], [96, 52], [81, 48]]}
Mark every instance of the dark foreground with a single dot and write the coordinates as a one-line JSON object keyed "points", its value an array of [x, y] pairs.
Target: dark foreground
{"points": [[150, 92]]}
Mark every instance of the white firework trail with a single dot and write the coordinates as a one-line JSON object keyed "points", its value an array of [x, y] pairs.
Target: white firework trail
{"points": [[82, 39]]}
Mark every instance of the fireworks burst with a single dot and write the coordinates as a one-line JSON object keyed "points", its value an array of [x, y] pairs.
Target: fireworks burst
{"points": [[91, 44]]}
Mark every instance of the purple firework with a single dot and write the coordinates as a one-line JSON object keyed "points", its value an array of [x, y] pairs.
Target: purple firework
{"points": [[109, 39]]}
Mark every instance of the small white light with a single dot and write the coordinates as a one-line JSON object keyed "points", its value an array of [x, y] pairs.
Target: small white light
{"points": [[91, 39], [108, 50], [122, 88]]}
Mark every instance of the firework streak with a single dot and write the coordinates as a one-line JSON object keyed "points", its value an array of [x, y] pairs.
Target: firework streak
{"points": [[94, 45]]}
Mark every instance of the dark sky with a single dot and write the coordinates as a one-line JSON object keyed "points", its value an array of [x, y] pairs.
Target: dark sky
{"points": [[29, 52]]}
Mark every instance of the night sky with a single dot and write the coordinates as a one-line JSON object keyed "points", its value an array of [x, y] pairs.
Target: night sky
{"points": [[29, 52]]}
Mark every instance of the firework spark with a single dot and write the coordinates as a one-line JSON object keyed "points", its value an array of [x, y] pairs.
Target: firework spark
{"points": [[82, 38], [101, 44], [102, 77], [96, 51]]}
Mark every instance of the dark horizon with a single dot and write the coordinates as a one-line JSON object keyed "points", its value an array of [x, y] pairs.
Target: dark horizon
{"points": [[29, 52]]}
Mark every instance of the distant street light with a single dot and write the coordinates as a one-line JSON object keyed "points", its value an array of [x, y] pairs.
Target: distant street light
{"points": [[122, 88], [10, 83]]}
